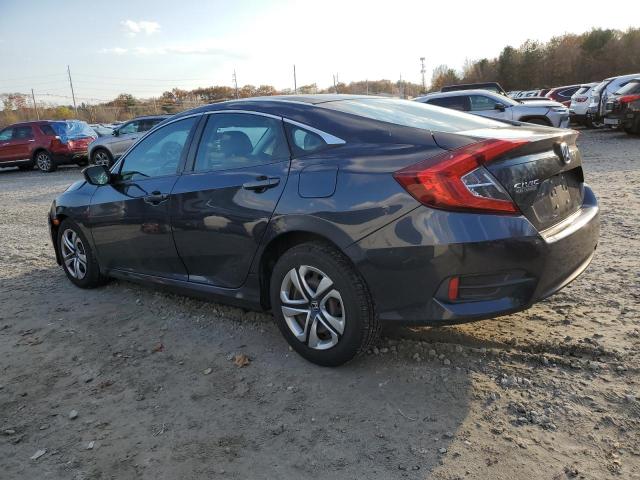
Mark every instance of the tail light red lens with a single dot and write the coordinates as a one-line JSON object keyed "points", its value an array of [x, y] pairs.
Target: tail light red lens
{"points": [[457, 180], [629, 98], [452, 291]]}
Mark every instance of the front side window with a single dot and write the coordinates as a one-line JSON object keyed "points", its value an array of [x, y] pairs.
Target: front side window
{"points": [[480, 102], [159, 153], [238, 140], [127, 128], [5, 135]]}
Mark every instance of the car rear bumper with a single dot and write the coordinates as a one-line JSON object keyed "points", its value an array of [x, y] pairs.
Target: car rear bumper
{"points": [[503, 264]]}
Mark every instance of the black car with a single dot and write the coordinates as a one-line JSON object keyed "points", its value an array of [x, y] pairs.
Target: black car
{"points": [[337, 213], [623, 108]]}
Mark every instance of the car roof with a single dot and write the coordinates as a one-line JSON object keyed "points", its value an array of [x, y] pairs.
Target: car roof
{"points": [[148, 117]]}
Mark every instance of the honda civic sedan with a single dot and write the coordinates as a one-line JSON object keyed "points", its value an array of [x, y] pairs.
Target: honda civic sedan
{"points": [[337, 213]]}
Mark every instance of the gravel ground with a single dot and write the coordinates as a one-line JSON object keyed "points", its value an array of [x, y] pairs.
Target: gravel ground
{"points": [[126, 382]]}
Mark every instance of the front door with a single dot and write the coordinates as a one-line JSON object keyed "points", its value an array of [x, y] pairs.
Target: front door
{"points": [[489, 107], [6, 153], [220, 210], [130, 217]]}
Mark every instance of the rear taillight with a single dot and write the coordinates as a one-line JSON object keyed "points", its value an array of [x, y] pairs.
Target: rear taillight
{"points": [[629, 98], [457, 180]]}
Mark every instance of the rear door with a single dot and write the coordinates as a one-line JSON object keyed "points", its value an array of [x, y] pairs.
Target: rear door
{"points": [[221, 208], [21, 142]]}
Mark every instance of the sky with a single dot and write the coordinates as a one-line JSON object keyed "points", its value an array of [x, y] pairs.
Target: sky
{"points": [[147, 47]]}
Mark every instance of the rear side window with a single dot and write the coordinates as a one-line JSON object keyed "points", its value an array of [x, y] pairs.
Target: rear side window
{"points": [[47, 130], [238, 140], [22, 133], [304, 142]]}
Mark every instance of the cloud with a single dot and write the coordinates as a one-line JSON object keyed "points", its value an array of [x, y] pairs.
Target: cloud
{"points": [[203, 47], [116, 50], [133, 28]]}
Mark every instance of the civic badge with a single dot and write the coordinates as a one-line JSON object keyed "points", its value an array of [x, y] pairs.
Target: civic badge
{"points": [[565, 153]]}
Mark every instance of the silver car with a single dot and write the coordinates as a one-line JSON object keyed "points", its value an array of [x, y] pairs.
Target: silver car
{"points": [[493, 105], [107, 149]]}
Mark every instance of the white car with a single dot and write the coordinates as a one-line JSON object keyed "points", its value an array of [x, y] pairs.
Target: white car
{"points": [[580, 102], [600, 94], [493, 105]]}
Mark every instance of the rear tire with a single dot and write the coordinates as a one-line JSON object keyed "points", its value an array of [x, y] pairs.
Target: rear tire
{"points": [[44, 161], [322, 305], [102, 157], [78, 259]]}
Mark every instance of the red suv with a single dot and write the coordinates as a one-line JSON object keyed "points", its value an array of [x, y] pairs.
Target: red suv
{"points": [[46, 144]]}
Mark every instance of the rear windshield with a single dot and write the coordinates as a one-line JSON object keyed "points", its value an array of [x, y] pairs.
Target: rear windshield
{"points": [[412, 114], [581, 90], [72, 129], [632, 87]]}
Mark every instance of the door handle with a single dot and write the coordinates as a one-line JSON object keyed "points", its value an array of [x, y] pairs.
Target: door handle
{"points": [[261, 184], [156, 198]]}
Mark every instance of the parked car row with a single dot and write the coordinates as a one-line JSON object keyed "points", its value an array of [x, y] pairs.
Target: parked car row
{"points": [[489, 104], [47, 144]]}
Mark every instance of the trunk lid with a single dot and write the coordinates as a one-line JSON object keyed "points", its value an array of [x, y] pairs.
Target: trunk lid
{"points": [[543, 177]]}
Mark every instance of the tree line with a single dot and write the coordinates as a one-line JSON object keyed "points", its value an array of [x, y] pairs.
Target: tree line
{"points": [[565, 60], [19, 107]]}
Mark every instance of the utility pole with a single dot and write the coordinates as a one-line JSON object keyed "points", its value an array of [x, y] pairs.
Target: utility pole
{"points": [[423, 71], [235, 82], [73, 95], [295, 83], [335, 85], [367, 81], [35, 107], [400, 88]]}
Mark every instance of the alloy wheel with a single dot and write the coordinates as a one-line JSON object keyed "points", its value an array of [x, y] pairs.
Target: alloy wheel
{"points": [[43, 160], [74, 254], [312, 308], [101, 158]]}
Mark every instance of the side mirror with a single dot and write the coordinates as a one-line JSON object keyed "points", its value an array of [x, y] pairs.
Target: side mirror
{"points": [[115, 132], [97, 175], [499, 106]]}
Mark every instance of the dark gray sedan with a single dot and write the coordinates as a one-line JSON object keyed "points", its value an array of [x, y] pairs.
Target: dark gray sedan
{"points": [[337, 213]]}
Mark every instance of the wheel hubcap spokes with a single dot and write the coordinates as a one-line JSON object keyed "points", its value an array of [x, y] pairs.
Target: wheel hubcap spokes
{"points": [[74, 254], [43, 161], [312, 308], [102, 159]]}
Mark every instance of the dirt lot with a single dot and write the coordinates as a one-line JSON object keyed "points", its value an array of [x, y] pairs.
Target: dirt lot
{"points": [[550, 393]]}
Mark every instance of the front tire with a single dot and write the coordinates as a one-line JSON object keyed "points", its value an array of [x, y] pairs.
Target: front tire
{"points": [[322, 305], [78, 259], [44, 161]]}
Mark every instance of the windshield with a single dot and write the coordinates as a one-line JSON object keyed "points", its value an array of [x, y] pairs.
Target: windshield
{"points": [[412, 114], [72, 129], [632, 87]]}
